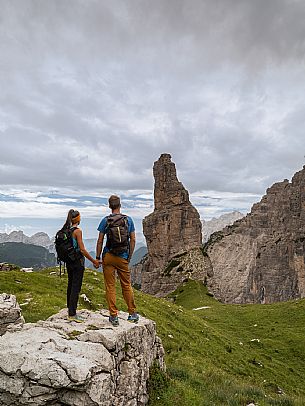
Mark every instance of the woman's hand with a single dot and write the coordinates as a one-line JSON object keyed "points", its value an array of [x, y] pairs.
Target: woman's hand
{"points": [[96, 263]]}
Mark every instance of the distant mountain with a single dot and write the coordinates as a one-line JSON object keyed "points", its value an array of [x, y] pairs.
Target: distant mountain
{"points": [[90, 244], [136, 258], [41, 239], [138, 255], [26, 255], [216, 224]]}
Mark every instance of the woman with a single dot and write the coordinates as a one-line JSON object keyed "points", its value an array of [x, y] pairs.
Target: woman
{"points": [[76, 267]]}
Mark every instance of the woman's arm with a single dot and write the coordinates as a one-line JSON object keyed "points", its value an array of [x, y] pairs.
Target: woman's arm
{"points": [[79, 237]]}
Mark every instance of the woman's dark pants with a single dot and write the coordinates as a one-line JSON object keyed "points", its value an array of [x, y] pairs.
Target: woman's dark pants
{"points": [[75, 278]]}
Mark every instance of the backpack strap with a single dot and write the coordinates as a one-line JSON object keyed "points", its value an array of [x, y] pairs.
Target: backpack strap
{"points": [[126, 222], [72, 229]]}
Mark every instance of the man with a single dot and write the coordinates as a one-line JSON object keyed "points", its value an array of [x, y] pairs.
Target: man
{"points": [[118, 250]]}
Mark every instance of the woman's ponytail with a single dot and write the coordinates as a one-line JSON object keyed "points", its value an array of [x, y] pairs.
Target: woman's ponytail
{"points": [[68, 222]]}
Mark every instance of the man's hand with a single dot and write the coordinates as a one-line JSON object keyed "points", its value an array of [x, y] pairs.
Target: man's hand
{"points": [[96, 264]]}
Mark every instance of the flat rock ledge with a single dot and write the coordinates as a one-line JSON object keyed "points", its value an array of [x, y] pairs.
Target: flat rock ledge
{"points": [[58, 362], [10, 312]]}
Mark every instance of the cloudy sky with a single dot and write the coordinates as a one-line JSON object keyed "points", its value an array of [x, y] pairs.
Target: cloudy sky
{"points": [[93, 91]]}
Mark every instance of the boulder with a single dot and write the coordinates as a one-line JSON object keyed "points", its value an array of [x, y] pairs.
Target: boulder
{"points": [[10, 312], [59, 362]]}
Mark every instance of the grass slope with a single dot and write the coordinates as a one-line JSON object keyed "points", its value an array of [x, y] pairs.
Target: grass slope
{"points": [[220, 355]]}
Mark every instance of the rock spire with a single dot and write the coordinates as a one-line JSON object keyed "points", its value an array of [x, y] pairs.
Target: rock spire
{"points": [[174, 228], [168, 191]]}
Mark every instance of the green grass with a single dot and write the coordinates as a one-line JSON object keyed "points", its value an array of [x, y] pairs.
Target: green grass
{"points": [[221, 355]]}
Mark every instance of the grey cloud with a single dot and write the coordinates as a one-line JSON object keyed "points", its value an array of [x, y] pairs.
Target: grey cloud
{"points": [[158, 32], [93, 92]]}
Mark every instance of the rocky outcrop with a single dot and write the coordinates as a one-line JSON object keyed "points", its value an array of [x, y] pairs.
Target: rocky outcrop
{"points": [[181, 267], [10, 313], [260, 258], [171, 230], [5, 267], [59, 362], [218, 223]]}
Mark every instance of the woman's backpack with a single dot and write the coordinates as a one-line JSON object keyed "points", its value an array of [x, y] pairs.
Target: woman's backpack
{"points": [[64, 246]]}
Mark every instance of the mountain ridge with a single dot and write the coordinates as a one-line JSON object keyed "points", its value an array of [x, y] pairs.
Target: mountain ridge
{"points": [[26, 255], [218, 223], [40, 238]]}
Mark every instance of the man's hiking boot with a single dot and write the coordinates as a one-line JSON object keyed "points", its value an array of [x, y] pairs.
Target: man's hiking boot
{"points": [[77, 318], [114, 320], [133, 318]]}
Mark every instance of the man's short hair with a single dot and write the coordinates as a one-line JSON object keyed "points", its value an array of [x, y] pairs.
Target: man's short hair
{"points": [[114, 202]]}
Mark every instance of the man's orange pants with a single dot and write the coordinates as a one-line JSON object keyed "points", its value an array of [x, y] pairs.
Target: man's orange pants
{"points": [[111, 264]]}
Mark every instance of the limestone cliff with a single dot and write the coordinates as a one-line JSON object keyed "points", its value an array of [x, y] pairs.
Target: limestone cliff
{"points": [[260, 258], [171, 231]]}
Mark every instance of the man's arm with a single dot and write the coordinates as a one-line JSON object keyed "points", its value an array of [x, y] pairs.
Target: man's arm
{"points": [[132, 244], [99, 245]]}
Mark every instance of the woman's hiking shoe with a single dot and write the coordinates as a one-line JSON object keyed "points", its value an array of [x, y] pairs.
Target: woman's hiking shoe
{"points": [[77, 318], [114, 320], [133, 318]]}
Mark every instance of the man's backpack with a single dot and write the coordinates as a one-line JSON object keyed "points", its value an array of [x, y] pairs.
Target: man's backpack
{"points": [[117, 234], [64, 246]]}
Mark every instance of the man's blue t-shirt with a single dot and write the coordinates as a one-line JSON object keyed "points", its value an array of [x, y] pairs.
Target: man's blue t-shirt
{"points": [[102, 229]]}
